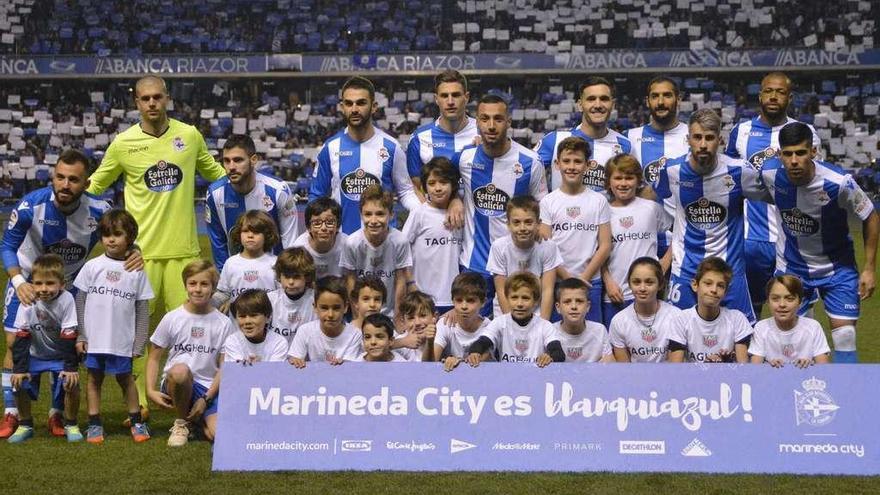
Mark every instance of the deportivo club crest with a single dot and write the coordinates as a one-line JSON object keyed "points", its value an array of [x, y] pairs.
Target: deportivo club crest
{"points": [[823, 198], [814, 406], [710, 340], [178, 144], [113, 276], [573, 211], [251, 275], [521, 345], [197, 332], [91, 224], [649, 335], [517, 170], [728, 181], [383, 154], [626, 222], [268, 204], [617, 149]]}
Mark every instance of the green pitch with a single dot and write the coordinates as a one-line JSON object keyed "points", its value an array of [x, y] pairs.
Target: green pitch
{"points": [[50, 465]]}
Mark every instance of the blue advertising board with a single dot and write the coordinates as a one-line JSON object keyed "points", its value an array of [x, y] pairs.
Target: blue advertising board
{"points": [[498, 417]]}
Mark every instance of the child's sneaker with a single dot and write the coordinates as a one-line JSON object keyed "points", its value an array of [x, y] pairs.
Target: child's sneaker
{"points": [[145, 415], [95, 434], [179, 433], [22, 433], [8, 425], [140, 432], [73, 434], [55, 424]]}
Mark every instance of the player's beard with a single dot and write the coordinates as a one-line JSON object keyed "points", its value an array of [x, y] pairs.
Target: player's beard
{"points": [[365, 121], [667, 120], [774, 115]]}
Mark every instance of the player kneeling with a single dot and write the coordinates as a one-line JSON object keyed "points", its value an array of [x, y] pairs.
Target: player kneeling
{"points": [[193, 336], [45, 340], [786, 337]]}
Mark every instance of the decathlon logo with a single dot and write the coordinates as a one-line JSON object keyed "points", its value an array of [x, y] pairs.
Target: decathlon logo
{"points": [[456, 446], [643, 447]]}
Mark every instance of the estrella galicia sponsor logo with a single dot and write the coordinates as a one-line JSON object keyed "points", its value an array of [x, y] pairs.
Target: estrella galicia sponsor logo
{"points": [[70, 252], [490, 201], [798, 223], [516, 446], [704, 214], [643, 447], [855, 449], [757, 160], [594, 177], [412, 446], [163, 176], [354, 183], [356, 445], [652, 170], [578, 446], [456, 445], [696, 449], [814, 406]]}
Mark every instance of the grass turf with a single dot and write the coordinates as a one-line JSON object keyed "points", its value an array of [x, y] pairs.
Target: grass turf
{"points": [[50, 465]]}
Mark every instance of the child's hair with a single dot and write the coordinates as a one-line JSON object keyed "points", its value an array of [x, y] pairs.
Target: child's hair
{"points": [[443, 169], [321, 205], [333, 285], [655, 265], [469, 284], [370, 281], [714, 264], [199, 266], [377, 194], [416, 301], [523, 279], [296, 261], [254, 221], [791, 282], [50, 265], [572, 283], [117, 219], [526, 203], [252, 302], [574, 143], [379, 320], [625, 164]]}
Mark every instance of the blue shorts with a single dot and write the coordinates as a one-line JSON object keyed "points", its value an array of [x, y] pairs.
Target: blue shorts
{"points": [[737, 297], [36, 367], [10, 308], [198, 390], [595, 296], [664, 240], [488, 308], [839, 292], [610, 310], [760, 265], [108, 363]]}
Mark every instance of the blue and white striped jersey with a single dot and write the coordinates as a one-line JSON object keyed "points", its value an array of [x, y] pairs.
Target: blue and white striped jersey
{"points": [[431, 140], [224, 205], [36, 227], [487, 184], [708, 211], [603, 149], [653, 148], [816, 241], [756, 141], [346, 167]]}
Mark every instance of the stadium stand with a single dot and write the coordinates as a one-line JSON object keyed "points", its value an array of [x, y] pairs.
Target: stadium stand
{"points": [[104, 27]]}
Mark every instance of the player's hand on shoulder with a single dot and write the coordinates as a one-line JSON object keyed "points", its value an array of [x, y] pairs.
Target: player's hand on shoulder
{"points": [[134, 260], [26, 293]]}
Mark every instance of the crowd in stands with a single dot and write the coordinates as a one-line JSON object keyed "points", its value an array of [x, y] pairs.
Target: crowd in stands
{"points": [[290, 120], [104, 27]]}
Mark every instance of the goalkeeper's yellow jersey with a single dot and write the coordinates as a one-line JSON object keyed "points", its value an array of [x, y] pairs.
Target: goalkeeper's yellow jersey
{"points": [[160, 185]]}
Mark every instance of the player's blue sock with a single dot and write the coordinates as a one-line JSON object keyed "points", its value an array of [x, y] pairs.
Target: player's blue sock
{"points": [[8, 396], [845, 357], [57, 395]]}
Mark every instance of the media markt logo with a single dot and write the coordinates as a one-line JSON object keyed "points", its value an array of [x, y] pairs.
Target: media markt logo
{"points": [[696, 449], [357, 445], [814, 406], [456, 446]]}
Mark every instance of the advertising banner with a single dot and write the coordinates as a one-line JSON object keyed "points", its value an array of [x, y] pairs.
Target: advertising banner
{"points": [[498, 417]]}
